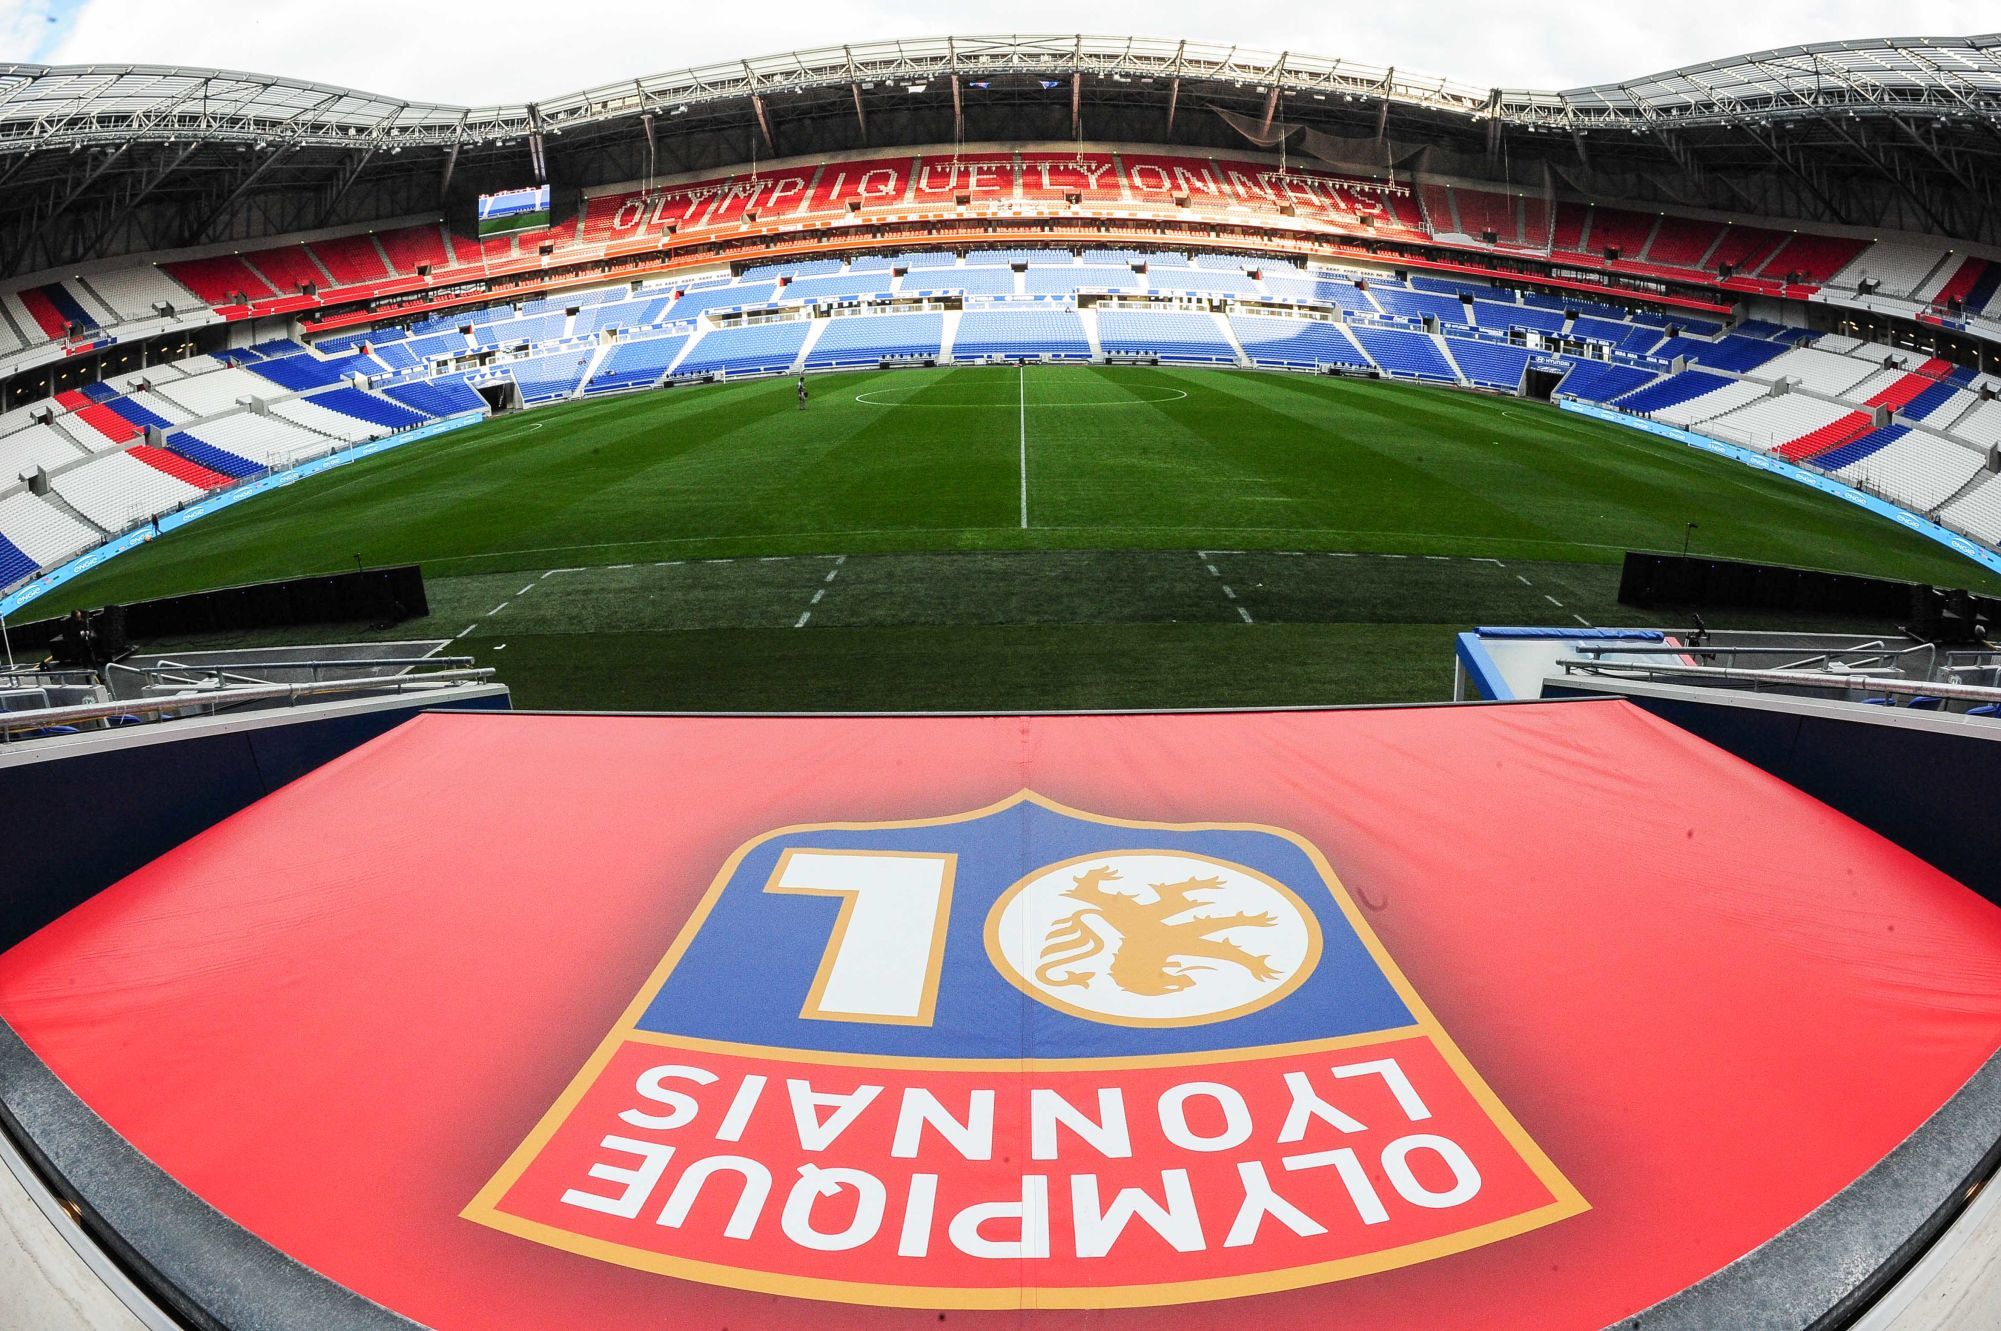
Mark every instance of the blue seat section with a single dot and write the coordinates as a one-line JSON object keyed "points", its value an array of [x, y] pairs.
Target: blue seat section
{"points": [[1760, 328], [99, 392], [848, 286], [871, 263], [635, 363], [929, 259], [298, 373], [1640, 341], [1223, 262], [747, 349], [725, 297], [208, 455], [547, 378], [353, 363], [368, 407], [1544, 301], [512, 332], [1062, 280], [138, 415], [621, 314], [864, 340], [972, 281], [1417, 304], [1494, 315], [277, 346], [793, 268], [1170, 334], [1593, 329], [1859, 450], [1056, 333], [1300, 342], [1929, 400], [1208, 282], [1491, 364], [1442, 286], [1399, 352], [1961, 375], [1115, 256], [1601, 381], [14, 565], [1318, 291], [1673, 390], [437, 397], [1737, 353]]}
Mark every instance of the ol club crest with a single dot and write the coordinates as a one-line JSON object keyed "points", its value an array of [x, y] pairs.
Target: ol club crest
{"points": [[1025, 1056]]}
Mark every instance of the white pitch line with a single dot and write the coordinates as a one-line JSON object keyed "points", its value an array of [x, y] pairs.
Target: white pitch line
{"points": [[552, 572], [525, 590], [816, 596], [1227, 592], [1580, 619], [802, 620], [1021, 396], [1552, 600], [497, 609], [832, 573], [468, 629], [1246, 614], [1213, 571], [1523, 581], [618, 566]]}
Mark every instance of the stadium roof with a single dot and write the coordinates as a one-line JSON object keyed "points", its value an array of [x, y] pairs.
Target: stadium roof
{"points": [[1897, 132]]}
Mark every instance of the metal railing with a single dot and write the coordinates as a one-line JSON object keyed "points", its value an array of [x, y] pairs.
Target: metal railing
{"points": [[18, 726]]}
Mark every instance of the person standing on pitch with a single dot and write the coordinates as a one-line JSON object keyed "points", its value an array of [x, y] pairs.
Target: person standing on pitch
{"points": [[802, 391]]}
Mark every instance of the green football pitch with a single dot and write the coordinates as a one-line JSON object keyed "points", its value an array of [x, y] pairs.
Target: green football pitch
{"points": [[988, 537]]}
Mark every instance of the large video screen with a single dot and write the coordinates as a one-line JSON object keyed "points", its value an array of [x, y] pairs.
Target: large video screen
{"points": [[514, 210]]}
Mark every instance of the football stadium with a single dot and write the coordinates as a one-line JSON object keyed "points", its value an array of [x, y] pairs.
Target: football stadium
{"points": [[1051, 681]]}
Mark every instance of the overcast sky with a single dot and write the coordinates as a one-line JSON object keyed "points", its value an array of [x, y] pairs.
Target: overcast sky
{"points": [[487, 51]]}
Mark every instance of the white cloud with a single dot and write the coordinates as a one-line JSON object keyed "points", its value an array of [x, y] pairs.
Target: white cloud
{"points": [[515, 50]]}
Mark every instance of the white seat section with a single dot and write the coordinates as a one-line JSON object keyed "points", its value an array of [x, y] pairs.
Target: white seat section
{"points": [[1978, 511], [86, 435], [1822, 371], [118, 490], [1727, 398], [1898, 266], [37, 446], [1838, 343], [1982, 425], [321, 421], [1776, 420], [1918, 470], [1873, 385], [160, 406], [134, 292], [43, 532], [218, 391], [156, 374], [266, 440]]}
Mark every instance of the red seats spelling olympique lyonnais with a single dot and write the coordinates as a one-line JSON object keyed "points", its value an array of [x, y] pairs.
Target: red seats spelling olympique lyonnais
{"points": [[630, 221]]}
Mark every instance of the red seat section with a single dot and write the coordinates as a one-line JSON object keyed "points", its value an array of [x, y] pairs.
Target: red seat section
{"points": [[1814, 258], [289, 270], [1962, 281], [1831, 435], [1900, 393], [178, 467], [224, 279], [350, 260], [101, 418], [47, 317], [413, 246]]}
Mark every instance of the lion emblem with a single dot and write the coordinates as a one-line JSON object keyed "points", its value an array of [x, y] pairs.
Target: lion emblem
{"points": [[1152, 954]]}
